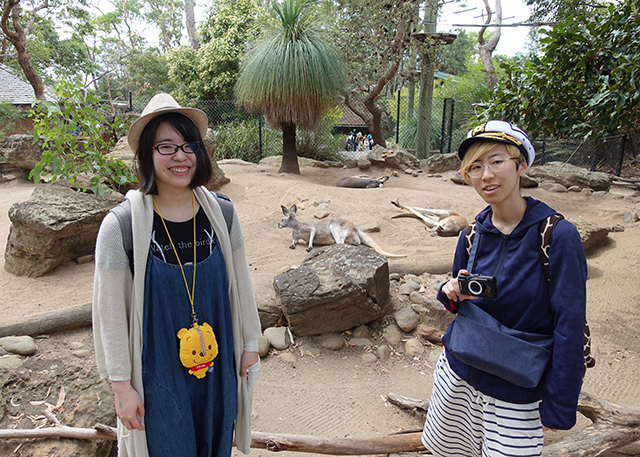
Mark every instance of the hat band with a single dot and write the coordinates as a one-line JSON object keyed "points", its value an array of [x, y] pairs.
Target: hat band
{"points": [[166, 107], [500, 136]]}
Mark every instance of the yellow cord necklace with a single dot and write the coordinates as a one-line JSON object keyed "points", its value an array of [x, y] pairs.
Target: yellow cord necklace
{"points": [[198, 345]]}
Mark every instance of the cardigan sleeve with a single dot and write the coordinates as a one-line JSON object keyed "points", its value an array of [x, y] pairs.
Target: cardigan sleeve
{"points": [[251, 328], [112, 286]]}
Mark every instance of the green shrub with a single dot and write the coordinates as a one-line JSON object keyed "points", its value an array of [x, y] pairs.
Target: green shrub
{"points": [[73, 145]]}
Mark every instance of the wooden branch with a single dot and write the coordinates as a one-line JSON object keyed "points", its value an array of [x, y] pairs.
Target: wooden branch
{"points": [[404, 442], [391, 444], [418, 406], [57, 430], [64, 319]]}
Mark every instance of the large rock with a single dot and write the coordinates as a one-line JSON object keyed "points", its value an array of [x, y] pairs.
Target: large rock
{"points": [[440, 163], [393, 158], [569, 175], [20, 151], [336, 288], [56, 225]]}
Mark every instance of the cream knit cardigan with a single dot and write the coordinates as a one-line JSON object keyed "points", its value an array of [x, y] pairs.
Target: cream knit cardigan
{"points": [[118, 304]]}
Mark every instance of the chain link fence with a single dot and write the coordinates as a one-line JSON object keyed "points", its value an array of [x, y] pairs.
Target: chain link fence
{"points": [[245, 135]]}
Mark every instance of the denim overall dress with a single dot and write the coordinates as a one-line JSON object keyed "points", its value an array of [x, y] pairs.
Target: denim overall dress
{"points": [[184, 415]]}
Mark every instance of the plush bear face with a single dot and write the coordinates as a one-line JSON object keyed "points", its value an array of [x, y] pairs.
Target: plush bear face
{"points": [[198, 347]]}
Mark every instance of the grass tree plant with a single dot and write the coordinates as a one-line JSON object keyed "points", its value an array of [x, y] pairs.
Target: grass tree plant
{"points": [[292, 75]]}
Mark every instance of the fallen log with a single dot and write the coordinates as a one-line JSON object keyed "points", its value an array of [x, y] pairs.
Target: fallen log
{"points": [[391, 444], [402, 442], [613, 426], [65, 319], [57, 430]]}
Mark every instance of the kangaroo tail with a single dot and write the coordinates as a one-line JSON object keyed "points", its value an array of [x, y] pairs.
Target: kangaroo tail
{"points": [[368, 241]]}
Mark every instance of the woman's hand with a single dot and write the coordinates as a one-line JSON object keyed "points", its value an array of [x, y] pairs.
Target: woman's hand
{"points": [[129, 407], [452, 289], [250, 367]]}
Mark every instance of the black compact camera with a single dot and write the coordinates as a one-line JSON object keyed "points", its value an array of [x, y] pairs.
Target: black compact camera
{"points": [[478, 285]]}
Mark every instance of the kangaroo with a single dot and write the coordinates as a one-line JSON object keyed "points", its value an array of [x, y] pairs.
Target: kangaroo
{"points": [[441, 222], [362, 182], [326, 231]]}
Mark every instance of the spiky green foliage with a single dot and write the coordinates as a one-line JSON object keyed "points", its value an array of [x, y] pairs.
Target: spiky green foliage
{"points": [[293, 75]]}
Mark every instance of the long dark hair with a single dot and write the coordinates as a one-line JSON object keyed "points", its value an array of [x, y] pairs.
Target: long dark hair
{"points": [[144, 155]]}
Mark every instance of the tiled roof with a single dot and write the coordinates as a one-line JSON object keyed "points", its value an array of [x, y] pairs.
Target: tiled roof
{"points": [[15, 90]]}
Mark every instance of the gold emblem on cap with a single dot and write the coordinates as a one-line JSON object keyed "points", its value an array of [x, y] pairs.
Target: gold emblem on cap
{"points": [[479, 129]]}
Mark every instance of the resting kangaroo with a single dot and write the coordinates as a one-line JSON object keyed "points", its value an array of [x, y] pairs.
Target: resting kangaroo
{"points": [[326, 231], [441, 222], [362, 182]]}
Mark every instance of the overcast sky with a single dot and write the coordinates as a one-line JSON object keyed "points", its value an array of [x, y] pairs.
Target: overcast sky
{"points": [[512, 39]]}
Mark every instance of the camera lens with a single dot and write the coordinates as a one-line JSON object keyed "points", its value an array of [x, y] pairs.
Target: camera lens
{"points": [[475, 287]]}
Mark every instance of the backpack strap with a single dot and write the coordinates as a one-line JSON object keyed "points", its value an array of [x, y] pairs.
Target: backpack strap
{"points": [[122, 211], [469, 235], [546, 228]]}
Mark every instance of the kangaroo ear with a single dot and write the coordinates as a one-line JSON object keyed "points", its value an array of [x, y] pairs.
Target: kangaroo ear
{"points": [[293, 209], [285, 211]]}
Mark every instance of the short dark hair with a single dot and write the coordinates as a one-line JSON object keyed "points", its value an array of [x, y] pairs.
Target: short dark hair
{"points": [[144, 155]]}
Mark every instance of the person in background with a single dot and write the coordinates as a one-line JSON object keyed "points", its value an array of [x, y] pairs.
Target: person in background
{"points": [[176, 332], [473, 412]]}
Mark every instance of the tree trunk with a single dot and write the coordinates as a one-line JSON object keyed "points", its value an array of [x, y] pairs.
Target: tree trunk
{"points": [[425, 101], [375, 122], [289, 151], [486, 49], [18, 39], [190, 21]]}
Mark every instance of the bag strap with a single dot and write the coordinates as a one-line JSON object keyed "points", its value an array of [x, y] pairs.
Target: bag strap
{"points": [[122, 211], [546, 228]]}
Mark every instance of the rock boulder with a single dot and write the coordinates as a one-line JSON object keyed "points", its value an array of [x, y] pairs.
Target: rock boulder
{"points": [[336, 288], [20, 151], [56, 225], [569, 175]]}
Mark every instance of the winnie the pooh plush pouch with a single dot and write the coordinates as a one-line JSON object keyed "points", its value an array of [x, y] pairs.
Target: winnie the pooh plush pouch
{"points": [[198, 348]]}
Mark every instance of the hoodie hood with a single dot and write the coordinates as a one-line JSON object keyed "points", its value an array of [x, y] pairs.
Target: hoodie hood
{"points": [[536, 212]]}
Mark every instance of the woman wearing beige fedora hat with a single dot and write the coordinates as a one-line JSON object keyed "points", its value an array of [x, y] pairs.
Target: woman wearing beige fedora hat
{"points": [[513, 357], [175, 322]]}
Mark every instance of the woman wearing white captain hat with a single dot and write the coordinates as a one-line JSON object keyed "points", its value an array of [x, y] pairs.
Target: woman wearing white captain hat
{"points": [[489, 398]]}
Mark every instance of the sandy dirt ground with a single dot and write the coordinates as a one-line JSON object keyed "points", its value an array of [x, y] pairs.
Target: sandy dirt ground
{"points": [[336, 394]]}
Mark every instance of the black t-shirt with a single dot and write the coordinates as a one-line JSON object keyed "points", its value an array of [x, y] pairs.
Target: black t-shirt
{"points": [[182, 237]]}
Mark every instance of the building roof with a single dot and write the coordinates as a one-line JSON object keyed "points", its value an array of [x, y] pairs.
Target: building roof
{"points": [[15, 90]]}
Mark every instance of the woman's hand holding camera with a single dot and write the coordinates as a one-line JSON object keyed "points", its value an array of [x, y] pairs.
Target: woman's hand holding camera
{"points": [[452, 289]]}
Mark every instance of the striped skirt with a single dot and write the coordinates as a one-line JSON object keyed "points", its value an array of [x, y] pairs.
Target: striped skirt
{"points": [[462, 421]]}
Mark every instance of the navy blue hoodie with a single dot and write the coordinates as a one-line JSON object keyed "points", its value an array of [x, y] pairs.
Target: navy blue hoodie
{"points": [[527, 302]]}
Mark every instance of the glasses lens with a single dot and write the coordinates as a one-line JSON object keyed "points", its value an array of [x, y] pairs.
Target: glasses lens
{"points": [[166, 149], [191, 147]]}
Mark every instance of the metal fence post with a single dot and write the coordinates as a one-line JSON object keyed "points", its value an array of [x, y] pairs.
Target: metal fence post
{"points": [[398, 118], [623, 142], [130, 101]]}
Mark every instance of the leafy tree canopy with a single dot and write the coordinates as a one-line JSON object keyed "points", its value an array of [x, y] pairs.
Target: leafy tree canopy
{"points": [[586, 81], [212, 71]]}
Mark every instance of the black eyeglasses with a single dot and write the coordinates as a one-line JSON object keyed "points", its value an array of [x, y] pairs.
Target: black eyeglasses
{"points": [[167, 149]]}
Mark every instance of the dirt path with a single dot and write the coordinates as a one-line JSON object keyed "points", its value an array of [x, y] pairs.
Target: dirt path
{"points": [[336, 394]]}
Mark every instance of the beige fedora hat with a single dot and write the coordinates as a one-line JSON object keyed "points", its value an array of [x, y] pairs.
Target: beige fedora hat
{"points": [[161, 104]]}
